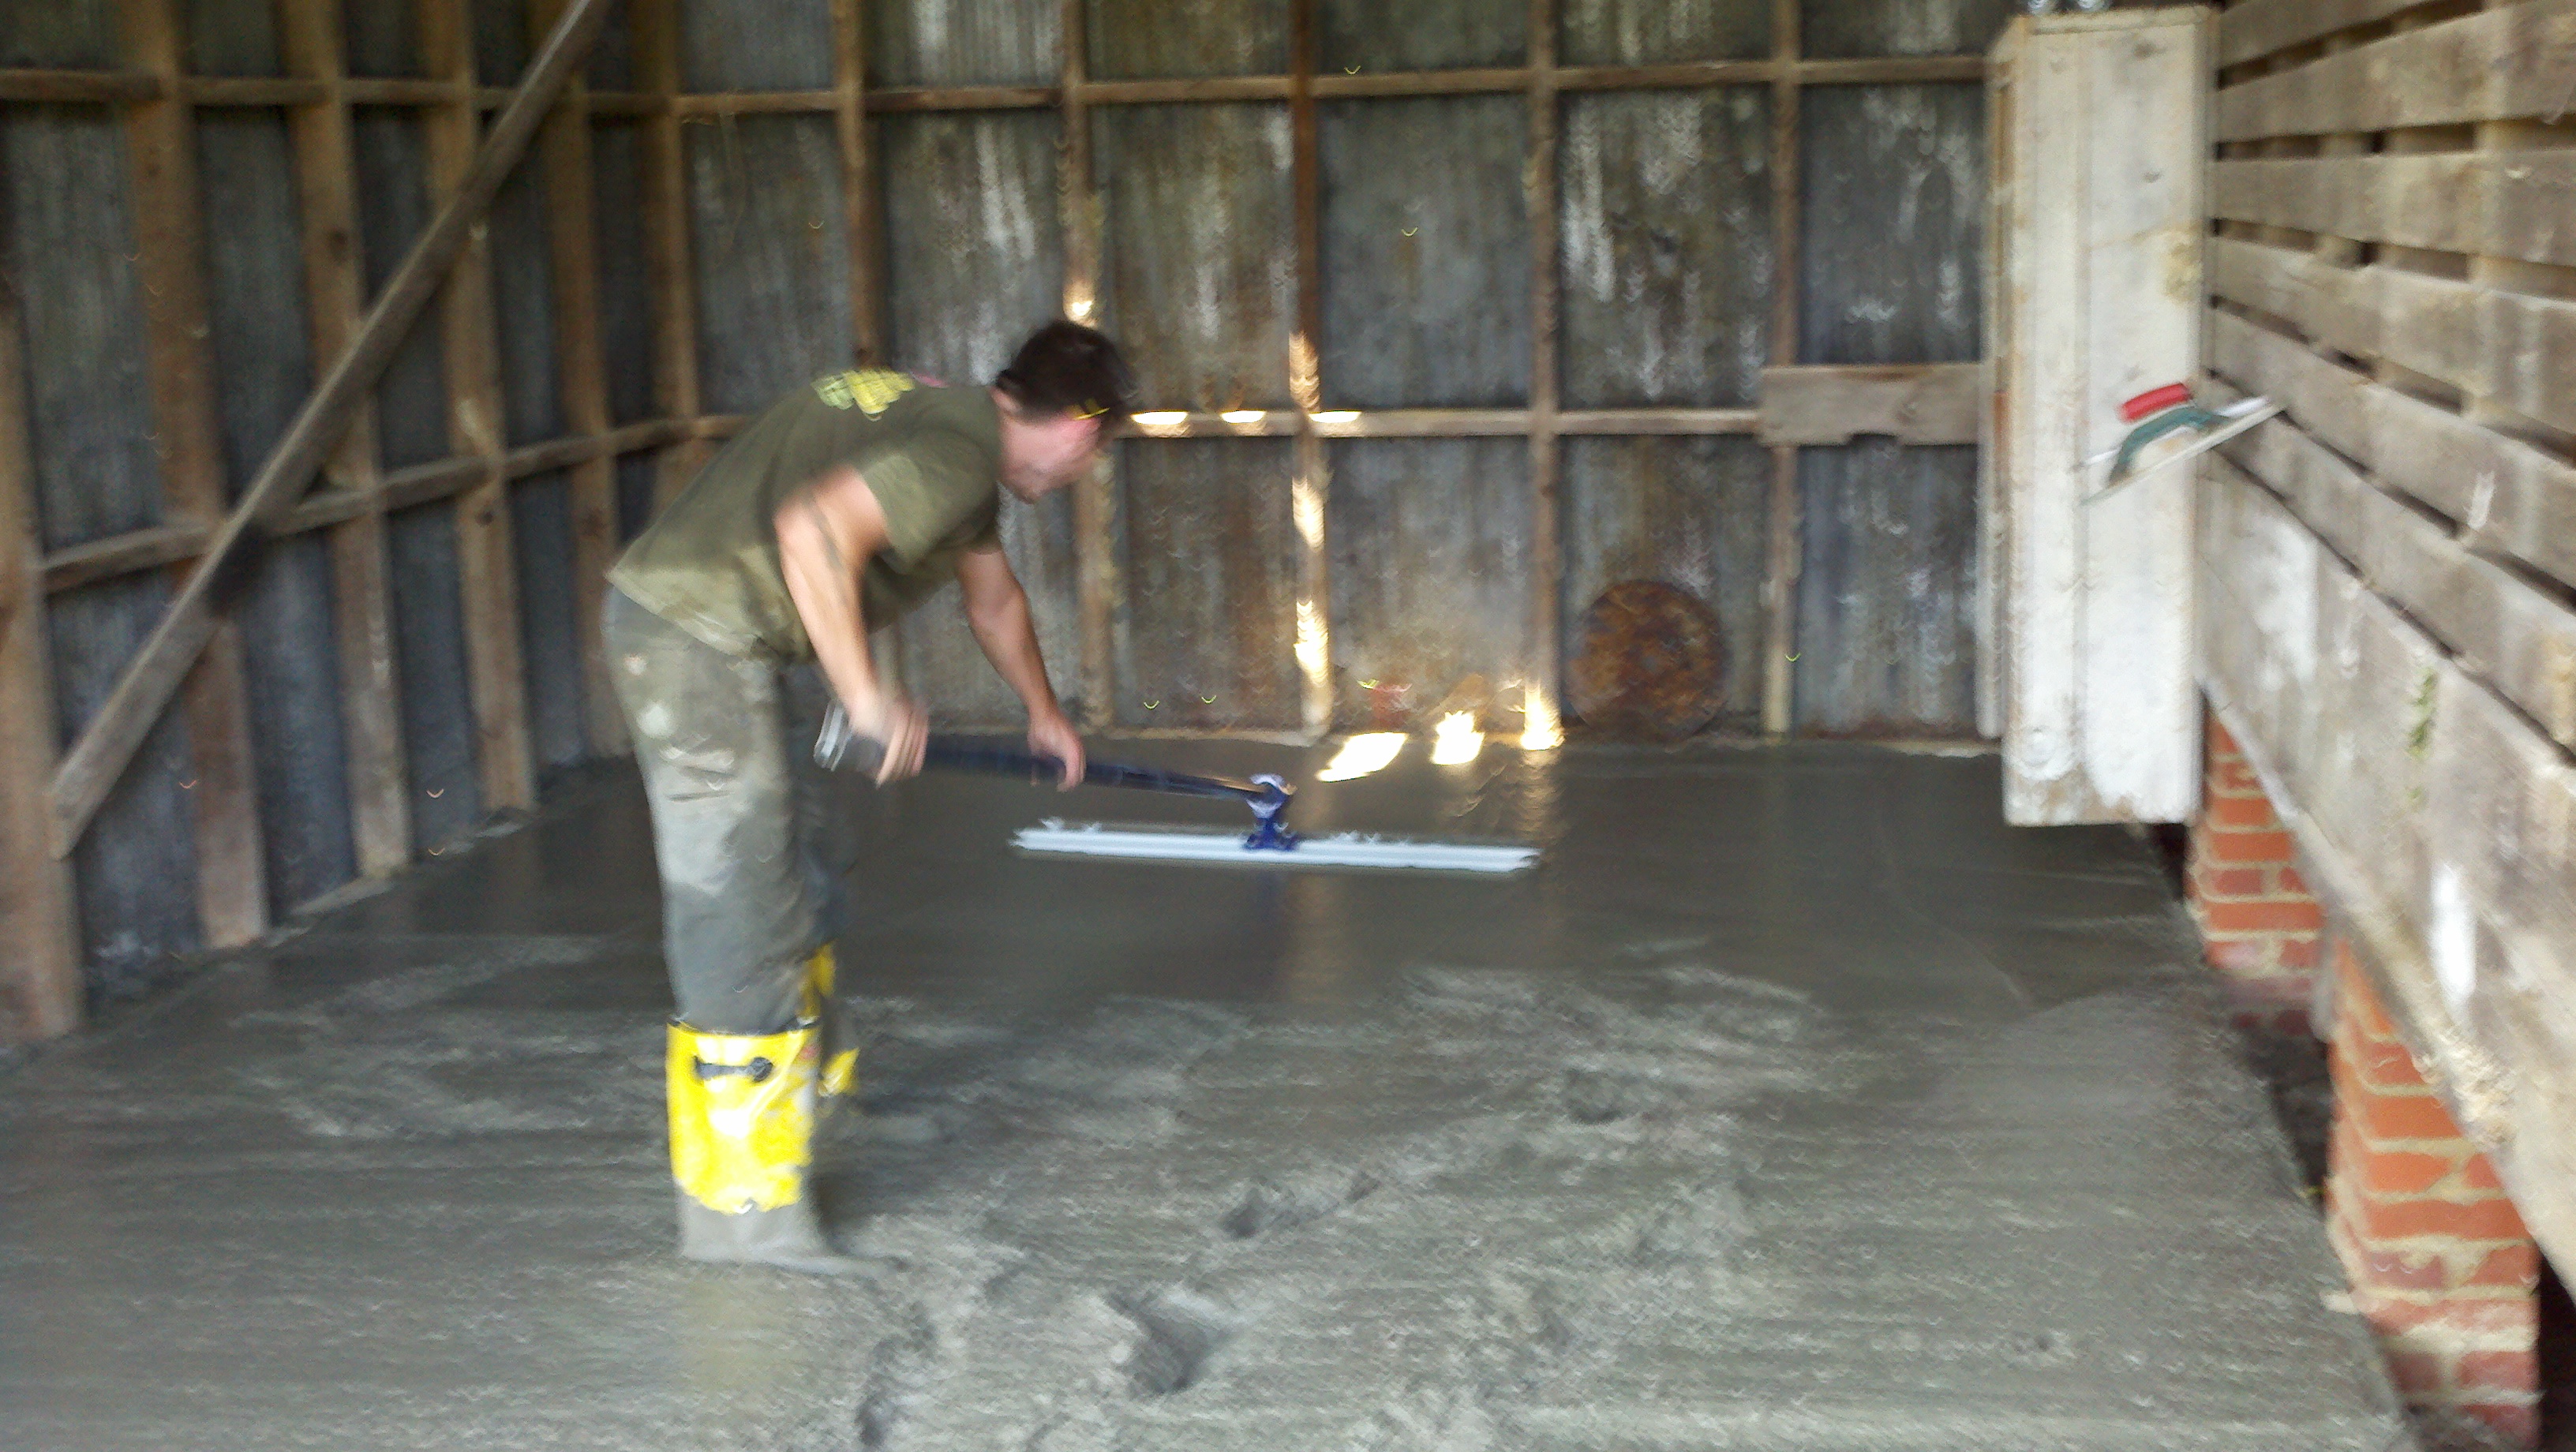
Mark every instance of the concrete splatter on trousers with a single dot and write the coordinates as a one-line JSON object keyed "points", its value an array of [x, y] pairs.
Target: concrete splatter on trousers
{"points": [[749, 846]]}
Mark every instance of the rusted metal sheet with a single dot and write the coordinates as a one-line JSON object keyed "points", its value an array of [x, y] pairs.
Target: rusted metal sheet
{"points": [[66, 229], [1646, 661], [1209, 555], [963, 43], [232, 38], [1430, 576], [1151, 39], [1420, 35], [1425, 253], [1647, 32], [1200, 284], [1667, 247], [1833, 29], [541, 547], [1887, 590], [625, 284], [393, 206], [974, 261], [263, 370], [773, 266], [429, 650], [1690, 512], [136, 866], [943, 666], [523, 307], [500, 39], [1894, 197], [68, 33], [381, 38], [755, 45]]}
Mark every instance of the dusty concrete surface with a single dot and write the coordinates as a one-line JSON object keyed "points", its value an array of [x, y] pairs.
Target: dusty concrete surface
{"points": [[1796, 1103]]}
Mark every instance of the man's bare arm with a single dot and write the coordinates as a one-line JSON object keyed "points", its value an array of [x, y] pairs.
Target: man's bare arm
{"points": [[998, 611], [827, 533]]}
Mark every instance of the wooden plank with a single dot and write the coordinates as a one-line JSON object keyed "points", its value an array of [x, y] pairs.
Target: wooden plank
{"points": [[251, 91], [2510, 499], [2431, 816], [667, 262], [2100, 720], [1916, 403], [487, 577], [78, 87], [2507, 348], [161, 141], [376, 770], [40, 965], [1542, 694], [858, 183], [2487, 203], [2002, 337], [2501, 630], [1784, 553], [1097, 577], [2496, 65], [86, 773], [2257, 28], [1310, 501], [581, 371]]}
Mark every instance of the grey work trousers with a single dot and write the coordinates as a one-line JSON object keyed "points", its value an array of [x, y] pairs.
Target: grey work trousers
{"points": [[750, 848]]}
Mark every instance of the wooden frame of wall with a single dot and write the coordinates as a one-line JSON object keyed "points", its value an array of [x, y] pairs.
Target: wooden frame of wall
{"points": [[2389, 574], [318, 97]]}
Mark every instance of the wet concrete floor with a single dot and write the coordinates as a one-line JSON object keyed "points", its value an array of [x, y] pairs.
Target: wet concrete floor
{"points": [[1795, 1103]]}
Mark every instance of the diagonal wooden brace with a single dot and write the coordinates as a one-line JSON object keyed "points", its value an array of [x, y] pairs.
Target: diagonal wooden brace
{"points": [[109, 742]]}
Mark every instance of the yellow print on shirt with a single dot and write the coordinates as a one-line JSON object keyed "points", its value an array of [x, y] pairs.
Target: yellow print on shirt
{"points": [[868, 390]]}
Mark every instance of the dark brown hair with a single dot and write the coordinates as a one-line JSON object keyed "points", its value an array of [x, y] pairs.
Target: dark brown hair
{"points": [[1065, 367]]}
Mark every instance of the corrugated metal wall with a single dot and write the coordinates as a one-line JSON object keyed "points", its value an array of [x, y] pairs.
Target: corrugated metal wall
{"points": [[1668, 241]]}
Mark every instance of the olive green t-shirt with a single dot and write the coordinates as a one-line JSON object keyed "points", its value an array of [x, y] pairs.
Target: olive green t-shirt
{"points": [[930, 454]]}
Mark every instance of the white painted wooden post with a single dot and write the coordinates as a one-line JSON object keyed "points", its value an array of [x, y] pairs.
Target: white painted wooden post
{"points": [[2101, 140]]}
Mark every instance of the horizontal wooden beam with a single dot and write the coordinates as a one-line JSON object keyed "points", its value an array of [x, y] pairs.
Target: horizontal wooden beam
{"points": [[1938, 403], [2510, 349], [161, 545], [2513, 204], [111, 87], [1890, 70], [94, 763], [78, 86], [2496, 65], [2258, 28]]}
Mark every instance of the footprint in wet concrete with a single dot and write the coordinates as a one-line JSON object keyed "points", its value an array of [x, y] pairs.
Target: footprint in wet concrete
{"points": [[1602, 1095], [1471, 990], [1428, 1419], [1293, 1200], [1179, 1332], [899, 1372], [1698, 1225]]}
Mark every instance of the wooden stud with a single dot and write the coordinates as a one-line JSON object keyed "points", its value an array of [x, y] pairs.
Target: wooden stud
{"points": [[582, 382], [858, 180], [1311, 489], [161, 143], [1540, 696], [667, 261], [40, 960], [377, 771], [1095, 495], [1782, 558], [91, 767], [487, 576]]}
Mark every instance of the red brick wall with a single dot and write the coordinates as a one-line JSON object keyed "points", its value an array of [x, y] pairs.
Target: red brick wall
{"points": [[2439, 1261], [2259, 926]]}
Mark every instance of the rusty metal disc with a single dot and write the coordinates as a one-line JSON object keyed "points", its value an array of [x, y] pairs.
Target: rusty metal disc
{"points": [[1649, 662]]}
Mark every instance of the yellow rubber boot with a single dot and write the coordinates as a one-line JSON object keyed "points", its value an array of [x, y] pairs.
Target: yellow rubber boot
{"points": [[742, 1146], [840, 1073]]}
